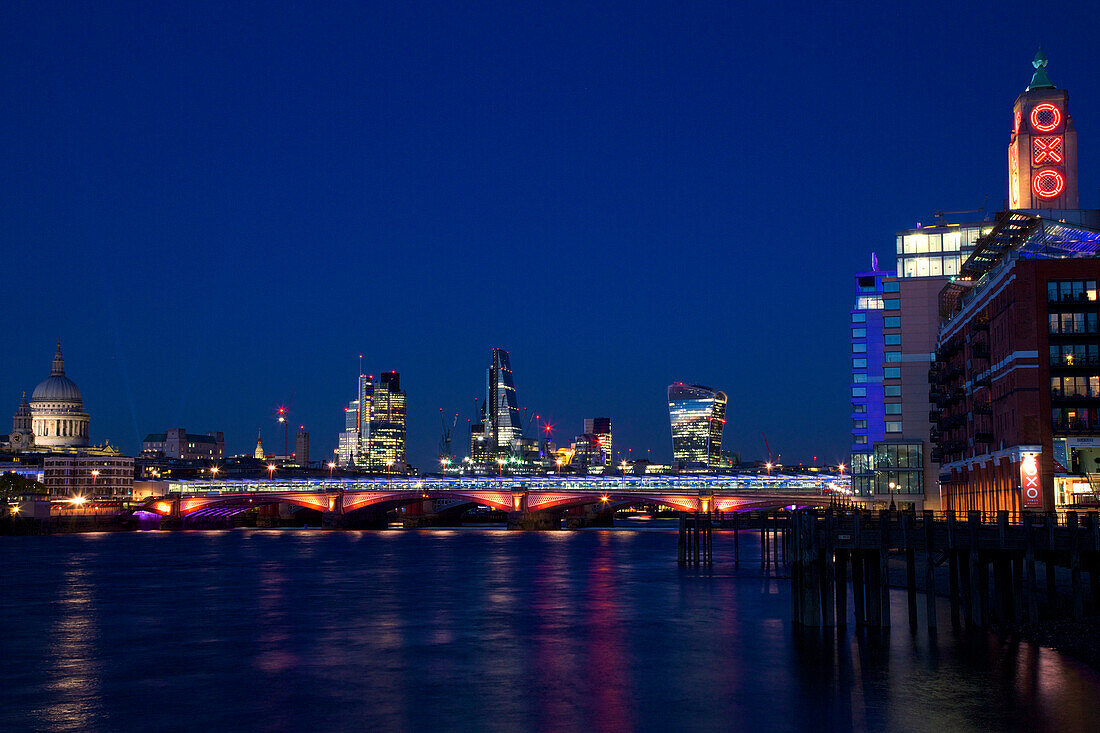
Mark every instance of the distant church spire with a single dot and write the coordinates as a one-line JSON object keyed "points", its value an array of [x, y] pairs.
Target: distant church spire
{"points": [[1039, 79], [58, 369], [259, 452]]}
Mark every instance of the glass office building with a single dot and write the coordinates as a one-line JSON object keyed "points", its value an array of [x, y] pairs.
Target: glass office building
{"points": [[697, 415], [503, 426], [387, 452]]}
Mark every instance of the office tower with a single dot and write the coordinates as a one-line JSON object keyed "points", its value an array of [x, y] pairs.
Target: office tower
{"points": [[503, 428], [894, 327], [601, 428], [387, 428], [363, 417], [586, 451], [866, 345], [301, 447], [348, 447], [697, 415], [1042, 151], [478, 452]]}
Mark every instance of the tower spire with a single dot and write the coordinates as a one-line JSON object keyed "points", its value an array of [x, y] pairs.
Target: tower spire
{"points": [[58, 369], [1040, 80]]}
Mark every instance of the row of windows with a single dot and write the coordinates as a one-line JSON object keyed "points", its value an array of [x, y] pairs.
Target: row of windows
{"points": [[1075, 386], [888, 390], [1075, 418], [1072, 322], [861, 423], [1074, 354], [892, 482], [891, 426], [953, 241], [859, 333], [1071, 290], [929, 266]]}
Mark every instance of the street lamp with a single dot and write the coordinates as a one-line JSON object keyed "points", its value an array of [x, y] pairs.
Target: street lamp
{"points": [[95, 478], [840, 467], [501, 464], [270, 471], [769, 467], [214, 476], [559, 467], [331, 467]]}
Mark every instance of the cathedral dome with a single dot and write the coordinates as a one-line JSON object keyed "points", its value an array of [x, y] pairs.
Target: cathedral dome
{"points": [[57, 387]]}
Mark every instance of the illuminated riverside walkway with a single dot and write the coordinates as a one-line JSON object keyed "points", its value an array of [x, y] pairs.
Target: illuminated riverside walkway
{"points": [[528, 501]]}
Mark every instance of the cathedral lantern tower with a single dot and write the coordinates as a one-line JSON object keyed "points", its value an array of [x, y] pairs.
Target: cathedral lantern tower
{"points": [[1042, 152]]}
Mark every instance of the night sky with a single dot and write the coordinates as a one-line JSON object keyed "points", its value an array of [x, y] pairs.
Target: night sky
{"points": [[219, 207]]}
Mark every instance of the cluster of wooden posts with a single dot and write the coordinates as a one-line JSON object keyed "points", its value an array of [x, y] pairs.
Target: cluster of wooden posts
{"points": [[696, 540], [991, 565]]}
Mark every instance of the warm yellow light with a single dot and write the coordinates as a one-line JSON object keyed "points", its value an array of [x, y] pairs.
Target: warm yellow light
{"points": [[605, 499], [15, 510], [78, 500]]}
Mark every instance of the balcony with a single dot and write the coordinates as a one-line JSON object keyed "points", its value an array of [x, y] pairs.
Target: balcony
{"points": [[1070, 362], [1075, 427]]}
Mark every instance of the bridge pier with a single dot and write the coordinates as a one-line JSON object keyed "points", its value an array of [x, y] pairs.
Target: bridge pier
{"points": [[534, 520], [591, 515]]}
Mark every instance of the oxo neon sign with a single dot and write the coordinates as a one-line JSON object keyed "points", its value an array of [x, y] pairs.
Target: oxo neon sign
{"points": [[1030, 494]]}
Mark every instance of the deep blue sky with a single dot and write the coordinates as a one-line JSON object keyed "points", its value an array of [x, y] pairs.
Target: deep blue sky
{"points": [[218, 207]]}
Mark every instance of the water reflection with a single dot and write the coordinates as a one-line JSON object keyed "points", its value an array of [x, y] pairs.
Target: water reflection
{"points": [[73, 697], [473, 630]]}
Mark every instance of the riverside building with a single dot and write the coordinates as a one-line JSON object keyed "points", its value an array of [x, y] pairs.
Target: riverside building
{"points": [[179, 444], [1016, 380]]}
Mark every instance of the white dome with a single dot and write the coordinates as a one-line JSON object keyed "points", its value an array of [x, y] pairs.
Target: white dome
{"points": [[56, 389]]}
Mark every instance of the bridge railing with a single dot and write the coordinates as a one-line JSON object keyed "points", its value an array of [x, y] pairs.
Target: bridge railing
{"points": [[740, 484]]}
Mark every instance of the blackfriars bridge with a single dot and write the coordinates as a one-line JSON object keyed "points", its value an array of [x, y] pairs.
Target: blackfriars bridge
{"points": [[529, 502]]}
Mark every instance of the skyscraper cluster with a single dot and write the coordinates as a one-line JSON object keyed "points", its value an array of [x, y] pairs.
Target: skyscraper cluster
{"points": [[375, 427]]}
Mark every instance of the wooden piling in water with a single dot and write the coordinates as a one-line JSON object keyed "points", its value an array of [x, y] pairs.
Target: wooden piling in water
{"points": [[1030, 582], [1077, 591], [828, 572], [929, 571], [910, 569], [840, 565], [1052, 583], [736, 538]]}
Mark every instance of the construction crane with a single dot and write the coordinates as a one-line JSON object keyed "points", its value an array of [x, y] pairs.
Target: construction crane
{"points": [[445, 439], [771, 461], [939, 215]]}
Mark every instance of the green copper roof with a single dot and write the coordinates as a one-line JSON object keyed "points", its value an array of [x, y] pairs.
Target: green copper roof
{"points": [[1039, 79]]}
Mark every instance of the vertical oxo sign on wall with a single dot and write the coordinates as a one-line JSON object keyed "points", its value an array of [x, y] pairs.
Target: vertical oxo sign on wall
{"points": [[1030, 496]]}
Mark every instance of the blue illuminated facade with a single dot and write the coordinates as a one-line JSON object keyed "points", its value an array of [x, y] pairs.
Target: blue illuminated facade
{"points": [[866, 322]]}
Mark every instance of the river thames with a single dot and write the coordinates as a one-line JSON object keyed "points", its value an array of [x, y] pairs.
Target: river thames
{"points": [[474, 629]]}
